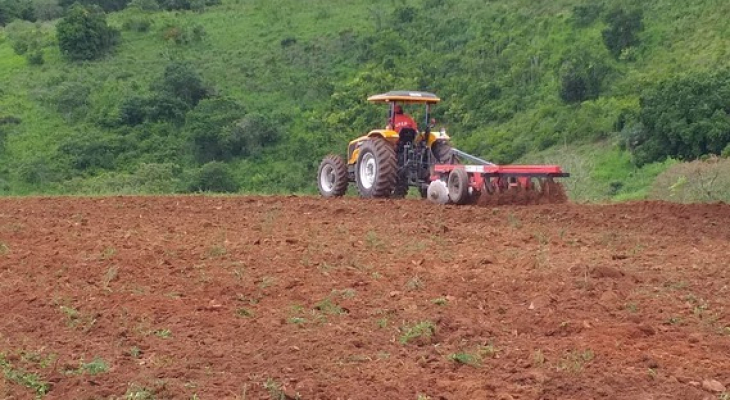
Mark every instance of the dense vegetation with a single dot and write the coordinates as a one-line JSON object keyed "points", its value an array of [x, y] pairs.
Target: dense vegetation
{"points": [[184, 95]]}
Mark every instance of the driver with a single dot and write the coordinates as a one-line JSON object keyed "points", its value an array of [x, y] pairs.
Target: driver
{"points": [[403, 120]]}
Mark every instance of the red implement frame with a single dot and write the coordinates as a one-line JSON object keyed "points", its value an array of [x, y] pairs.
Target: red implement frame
{"points": [[502, 176]]}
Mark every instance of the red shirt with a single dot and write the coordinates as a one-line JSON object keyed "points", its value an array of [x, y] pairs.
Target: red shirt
{"points": [[404, 121]]}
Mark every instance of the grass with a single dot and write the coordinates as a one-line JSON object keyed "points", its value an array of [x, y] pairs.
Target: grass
{"points": [[420, 330], [29, 380], [575, 360]]}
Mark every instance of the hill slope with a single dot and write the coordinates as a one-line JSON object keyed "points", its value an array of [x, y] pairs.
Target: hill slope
{"points": [[284, 82]]}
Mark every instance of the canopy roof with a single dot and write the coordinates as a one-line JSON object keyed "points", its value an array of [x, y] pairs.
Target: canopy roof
{"points": [[405, 96]]}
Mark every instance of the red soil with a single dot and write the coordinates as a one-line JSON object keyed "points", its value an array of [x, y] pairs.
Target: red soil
{"points": [[216, 296]]}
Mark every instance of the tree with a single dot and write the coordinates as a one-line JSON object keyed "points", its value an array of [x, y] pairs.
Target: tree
{"points": [[685, 117], [83, 34], [623, 30]]}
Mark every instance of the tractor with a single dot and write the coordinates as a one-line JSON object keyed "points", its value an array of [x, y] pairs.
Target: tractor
{"points": [[386, 163]]}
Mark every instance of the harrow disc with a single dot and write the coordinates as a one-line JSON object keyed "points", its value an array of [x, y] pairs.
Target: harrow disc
{"points": [[526, 192]]}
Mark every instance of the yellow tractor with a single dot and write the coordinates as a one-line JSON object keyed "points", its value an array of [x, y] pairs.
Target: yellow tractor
{"points": [[387, 162]]}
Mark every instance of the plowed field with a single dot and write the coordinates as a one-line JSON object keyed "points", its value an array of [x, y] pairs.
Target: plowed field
{"points": [[284, 297]]}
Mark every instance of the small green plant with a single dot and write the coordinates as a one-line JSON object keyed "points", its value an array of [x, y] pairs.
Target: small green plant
{"points": [[30, 380], [95, 366], [423, 329], [373, 241], [137, 392], [440, 301], [274, 389], [513, 221], [4, 249], [327, 306], [108, 253], [538, 358], [163, 333], [382, 323], [266, 282], [575, 361], [465, 358], [632, 308], [109, 276], [422, 396], [217, 250], [135, 352], [297, 320], [415, 283], [244, 312], [345, 293]]}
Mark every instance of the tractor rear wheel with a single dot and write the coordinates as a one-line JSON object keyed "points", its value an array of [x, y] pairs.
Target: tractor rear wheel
{"points": [[332, 176], [376, 169], [443, 152]]}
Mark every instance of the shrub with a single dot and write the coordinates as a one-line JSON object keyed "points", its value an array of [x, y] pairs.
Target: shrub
{"points": [[623, 30], [696, 181], [685, 117], [214, 176], [83, 34], [581, 76], [586, 14]]}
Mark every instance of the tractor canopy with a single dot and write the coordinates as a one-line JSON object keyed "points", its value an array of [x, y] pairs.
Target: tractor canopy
{"points": [[405, 96]]}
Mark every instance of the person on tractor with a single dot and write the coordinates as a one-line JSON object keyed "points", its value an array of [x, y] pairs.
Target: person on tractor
{"points": [[402, 120]]}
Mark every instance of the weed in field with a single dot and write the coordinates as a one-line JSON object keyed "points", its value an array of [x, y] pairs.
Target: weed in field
{"points": [[275, 390], [266, 282], [138, 392], [238, 273], [216, 251], [421, 396], [163, 333], [415, 283], [514, 221], [93, 367], [542, 257], [107, 253], [724, 396], [109, 276], [345, 293], [297, 320], [382, 322], [416, 247], [30, 380], [4, 249], [632, 308], [575, 361], [244, 312], [674, 321], [423, 329], [269, 220], [327, 306], [135, 352], [75, 319], [440, 301], [373, 241], [541, 238], [538, 358]]}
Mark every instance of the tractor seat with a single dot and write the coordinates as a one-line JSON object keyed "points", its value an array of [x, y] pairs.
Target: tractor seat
{"points": [[407, 135]]}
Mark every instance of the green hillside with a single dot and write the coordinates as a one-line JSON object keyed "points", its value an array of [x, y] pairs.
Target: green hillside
{"points": [[248, 95]]}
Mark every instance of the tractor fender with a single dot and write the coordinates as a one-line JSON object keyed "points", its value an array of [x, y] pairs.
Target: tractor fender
{"points": [[353, 148]]}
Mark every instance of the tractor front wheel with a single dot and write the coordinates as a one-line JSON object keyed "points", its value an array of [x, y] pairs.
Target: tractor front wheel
{"points": [[332, 176], [376, 169]]}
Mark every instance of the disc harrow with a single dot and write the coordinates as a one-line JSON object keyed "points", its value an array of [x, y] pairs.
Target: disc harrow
{"points": [[493, 184]]}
